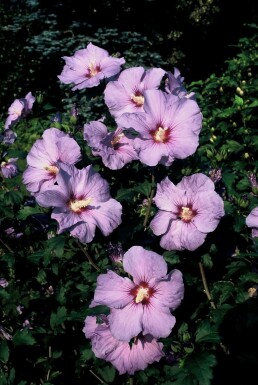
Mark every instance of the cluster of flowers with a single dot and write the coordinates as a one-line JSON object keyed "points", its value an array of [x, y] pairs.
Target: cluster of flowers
{"points": [[139, 311], [156, 123]]}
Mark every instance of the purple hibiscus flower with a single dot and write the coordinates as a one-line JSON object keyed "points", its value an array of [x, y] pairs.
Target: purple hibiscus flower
{"points": [[127, 358], [81, 202], [115, 148], [44, 157], [252, 221], [126, 93], [19, 109], [142, 305], [88, 66], [168, 129], [9, 169], [187, 212]]}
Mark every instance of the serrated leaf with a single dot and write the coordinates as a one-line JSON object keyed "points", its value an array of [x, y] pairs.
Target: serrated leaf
{"points": [[56, 245], [59, 317], [207, 333], [200, 365], [23, 337]]}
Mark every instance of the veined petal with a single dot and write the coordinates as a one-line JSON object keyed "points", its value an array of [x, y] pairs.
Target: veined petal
{"points": [[155, 105], [161, 222], [106, 216], [252, 218], [52, 198], [113, 290], [182, 236], [126, 323], [197, 183], [168, 196], [157, 320], [143, 264], [169, 291]]}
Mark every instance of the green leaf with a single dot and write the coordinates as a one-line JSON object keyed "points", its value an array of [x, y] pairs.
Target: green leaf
{"points": [[234, 146], [27, 211], [239, 101], [58, 318], [200, 365], [107, 373], [23, 337], [13, 198], [56, 245], [207, 261], [4, 351], [207, 333]]}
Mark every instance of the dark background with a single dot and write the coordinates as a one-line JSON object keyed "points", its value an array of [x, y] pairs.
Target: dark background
{"points": [[195, 36]]}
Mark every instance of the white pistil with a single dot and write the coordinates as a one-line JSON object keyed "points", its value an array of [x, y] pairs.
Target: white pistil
{"points": [[142, 293], [52, 169], [160, 134], [138, 100], [77, 205], [186, 213]]}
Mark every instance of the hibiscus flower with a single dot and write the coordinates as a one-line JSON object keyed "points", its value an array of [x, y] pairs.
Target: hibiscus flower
{"points": [[142, 304], [187, 212], [88, 66]]}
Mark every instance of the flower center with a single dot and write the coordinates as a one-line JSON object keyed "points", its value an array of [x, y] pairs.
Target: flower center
{"points": [[138, 99], [78, 205], [142, 293], [93, 70], [52, 169], [161, 134], [116, 140], [186, 214]]}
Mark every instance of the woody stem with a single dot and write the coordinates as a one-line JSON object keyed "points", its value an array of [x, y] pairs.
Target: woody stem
{"points": [[149, 203], [205, 285]]}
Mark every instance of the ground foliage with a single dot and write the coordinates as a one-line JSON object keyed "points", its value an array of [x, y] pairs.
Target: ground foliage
{"points": [[52, 280]]}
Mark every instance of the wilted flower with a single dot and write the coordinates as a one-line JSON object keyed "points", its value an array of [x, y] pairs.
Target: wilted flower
{"points": [[8, 136], [215, 175], [3, 283], [126, 93], [89, 66], [114, 148], [175, 86], [12, 233], [168, 129], [142, 305], [115, 252], [4, 334], [57, 118], [81, 202], [187, 212], [126, 357], [20, 309], [19, 109], [252, 221], [27, 325], [44, 157], [9, 169]]}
